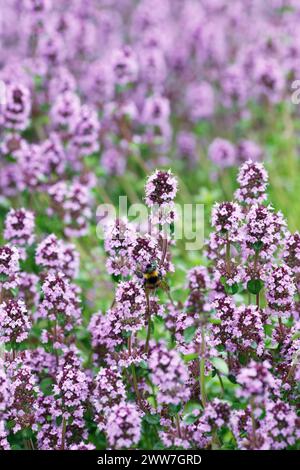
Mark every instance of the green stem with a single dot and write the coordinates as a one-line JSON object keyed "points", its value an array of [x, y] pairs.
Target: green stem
{"points": [[281, 326], [227, 256], [253, 420], [170, 297], [178, 426], [148, 316], [221, 382], [291, 372], [55, 339], [257, 299], [135, 385], [202, 369], [63, 434], [215, 443], [133, 371]]}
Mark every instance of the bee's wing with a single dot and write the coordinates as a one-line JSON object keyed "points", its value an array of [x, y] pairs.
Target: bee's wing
{"points": [[139, 274], [164, 285]]}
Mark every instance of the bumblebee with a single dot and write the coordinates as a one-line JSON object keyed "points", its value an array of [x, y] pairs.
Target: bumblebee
{"points": [[152, 276]]}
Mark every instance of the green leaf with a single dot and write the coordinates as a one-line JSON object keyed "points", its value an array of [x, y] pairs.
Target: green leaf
{"points": [[255, 286], [190, 418], [152, 419], [258, 245], [190, 357], [4, 203], [220, 365], [231, 290], [143, 365], [14, 291], [189, 334], [126, 334], [3, 277], [174, 409], [296, 336], [232, 378], [46, 385]]}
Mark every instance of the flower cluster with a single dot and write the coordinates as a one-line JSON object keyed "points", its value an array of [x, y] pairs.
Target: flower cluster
{"points": [[14, 321], [240, 328], [109, 391], [160, 190], [123, 426], [253, 180], [9, 266], [23, 395], [60, 302], [19, 227], [257, 382], [130, 307], [17, 108], [226, 218], [72, 204], [216, 415], [71, 388], [170, 375], [280, 290]]}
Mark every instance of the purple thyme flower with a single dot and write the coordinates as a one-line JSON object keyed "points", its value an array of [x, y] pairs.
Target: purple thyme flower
{"points": [[65, 109], [198, 283], [263, 231], [19, 227], [291, 253], [215, 416], [114, 161], [53, 155], [4, 390], [60, 299], [170, 375], [17, 108], [160, 191], [200, 101], [226, 219], [123, 427], [4, 444], [280, 290], [49, 253], [9, 266], [240, 329], [222, 153], [257, 382], [24, 393], [85, 132], [71, 387], [120, 238], [281, 425], [248, 150], [130, 307], [253, 180], [161, 188], [72, 203], [109, 391], [14, 321], [124, 65]]}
